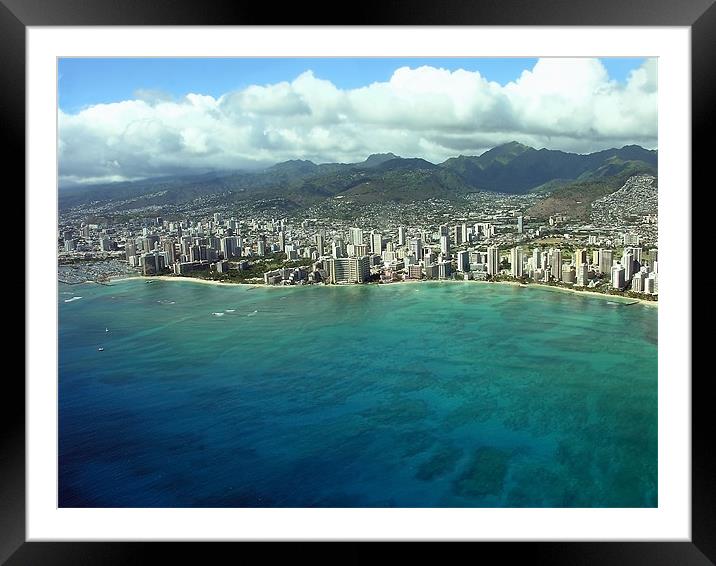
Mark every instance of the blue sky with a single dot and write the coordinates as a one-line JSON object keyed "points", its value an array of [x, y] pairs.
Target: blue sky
{"points": [[124, 119], [87, 81]]}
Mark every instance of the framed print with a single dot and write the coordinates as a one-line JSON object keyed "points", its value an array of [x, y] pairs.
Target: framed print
{"points": [[430, 257]]}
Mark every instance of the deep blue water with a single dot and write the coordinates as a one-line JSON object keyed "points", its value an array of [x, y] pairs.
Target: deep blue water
{"points": [[407, 395]]}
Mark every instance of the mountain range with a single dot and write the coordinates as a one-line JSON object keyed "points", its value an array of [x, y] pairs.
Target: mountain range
{"points": [[509, 168]]}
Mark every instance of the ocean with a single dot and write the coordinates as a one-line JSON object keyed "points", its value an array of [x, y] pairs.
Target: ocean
{"points": [[403, 395]]}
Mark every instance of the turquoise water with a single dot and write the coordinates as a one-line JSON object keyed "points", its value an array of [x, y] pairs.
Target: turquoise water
{"points": [[407, 395]]}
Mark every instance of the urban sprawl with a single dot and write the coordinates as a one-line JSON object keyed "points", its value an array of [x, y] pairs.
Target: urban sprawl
{"points": [[488, 238]]}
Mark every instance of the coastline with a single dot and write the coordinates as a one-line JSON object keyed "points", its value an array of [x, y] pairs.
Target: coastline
{"points": [[189, 279], [618, 298]]}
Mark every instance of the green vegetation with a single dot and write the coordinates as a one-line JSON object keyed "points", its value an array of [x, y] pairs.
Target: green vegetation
{"points": [[256, 269], [510, 168]]}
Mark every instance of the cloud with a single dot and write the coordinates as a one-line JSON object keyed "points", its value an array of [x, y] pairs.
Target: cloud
{"points": [[567, 104]]}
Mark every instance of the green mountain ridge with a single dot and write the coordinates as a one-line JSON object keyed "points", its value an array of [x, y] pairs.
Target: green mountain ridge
{"points": [[509, 168]]}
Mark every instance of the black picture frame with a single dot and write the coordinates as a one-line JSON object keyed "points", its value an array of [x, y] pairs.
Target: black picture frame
{"points": [[17, 15]]}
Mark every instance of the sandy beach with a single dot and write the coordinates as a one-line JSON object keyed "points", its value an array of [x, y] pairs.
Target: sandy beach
{"points": [[187, 279], [618, 298]]}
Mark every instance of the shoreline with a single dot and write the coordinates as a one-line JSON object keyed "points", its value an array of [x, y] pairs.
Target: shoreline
{"points": [[618, 298], [189, 279]]}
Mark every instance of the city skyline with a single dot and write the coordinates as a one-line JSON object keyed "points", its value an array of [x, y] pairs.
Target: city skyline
{"points": [[486, 238]]}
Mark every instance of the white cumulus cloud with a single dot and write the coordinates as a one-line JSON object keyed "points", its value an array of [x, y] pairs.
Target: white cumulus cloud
{"points": [[567, 104]]}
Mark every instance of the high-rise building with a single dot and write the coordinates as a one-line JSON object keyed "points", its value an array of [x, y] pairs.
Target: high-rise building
{"points": [[638, 281], [355, 236], [357, 250], [130, 249], [376, 243], [416, 248], [545, 259], [444, 270], [569, 274], [152, 263], [516, 261], [579, 257], [537, 258], [338, 248], [169, 251], [493, 260], [415, 271], [618, 278], [348, 269], [556, 264], [320, 242], [150, 242], [431, 271], [228, 246], [636, 252], [582, 274], [606, 259], [463, 260], [457, 235], [628, 263], [445, 246], [389, 257]]}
